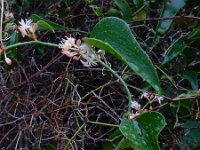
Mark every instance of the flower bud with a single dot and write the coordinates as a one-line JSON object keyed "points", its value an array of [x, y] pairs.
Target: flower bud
{"points": [[8, 61], [35, 26]]}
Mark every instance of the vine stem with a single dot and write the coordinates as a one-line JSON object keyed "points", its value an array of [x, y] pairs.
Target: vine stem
{"points": [[103, 124], [1, 24], [32, 42], [121, 80]]}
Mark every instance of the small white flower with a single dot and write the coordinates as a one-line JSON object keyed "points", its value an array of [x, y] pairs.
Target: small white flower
{"points": [[27, 28], [87, 55], [66, 44], [145, 95], [159, 99], [135, 105]]}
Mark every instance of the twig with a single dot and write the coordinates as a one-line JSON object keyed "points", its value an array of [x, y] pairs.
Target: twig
{"points": [[103, 124], [66, 146]]}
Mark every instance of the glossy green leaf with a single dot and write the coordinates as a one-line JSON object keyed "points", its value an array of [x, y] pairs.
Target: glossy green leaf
{"points": [[125, 9], [191, 76], [170, 9], [174, 50], [114, 35], [52, 25], [143, 132], [43, 25]]}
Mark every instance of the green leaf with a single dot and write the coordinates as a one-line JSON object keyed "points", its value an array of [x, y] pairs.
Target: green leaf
{"points": [[53, 25], [191, 138], [143, 132], [191, 76], [43, 25], [112, 12], [97, 10], [117, 141], [138, 3], [14, 38], [170, 10], [114, 35], [194, 35], [125, 9], [174, 50]]}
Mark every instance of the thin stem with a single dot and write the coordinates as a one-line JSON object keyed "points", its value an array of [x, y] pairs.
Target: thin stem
{"points": [[1, 26], [100, 87], [121, 80], [103, 124], [66, 146], [32, 42]]}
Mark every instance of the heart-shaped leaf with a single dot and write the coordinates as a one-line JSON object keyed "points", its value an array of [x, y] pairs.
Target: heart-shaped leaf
{"points": [[143, 132], [114, 35]]}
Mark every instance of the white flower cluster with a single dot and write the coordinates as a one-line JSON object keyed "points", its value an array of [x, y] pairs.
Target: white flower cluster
{"points": [[136, 106], [152, 97], [78, 51]]}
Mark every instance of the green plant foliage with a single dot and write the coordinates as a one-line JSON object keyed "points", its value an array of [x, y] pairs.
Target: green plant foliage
{"points": [[14, 38], [170, 10], [37, 147], [125, 9], [114, 35], [138, 3], [117, 141], [194, 35], [143, 132], [174, 50], [43, 25], [191, 76], [112, 12], [97, 10], [46, 24], [191, 138]]}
